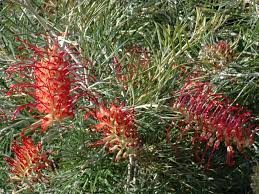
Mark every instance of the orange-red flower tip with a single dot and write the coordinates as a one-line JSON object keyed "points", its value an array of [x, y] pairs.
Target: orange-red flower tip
{"points": [[28, 162], [49, 77], [118, 129]]}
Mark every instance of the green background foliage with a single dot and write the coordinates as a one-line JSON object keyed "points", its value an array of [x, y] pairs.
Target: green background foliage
{"points": [[174, 33]]}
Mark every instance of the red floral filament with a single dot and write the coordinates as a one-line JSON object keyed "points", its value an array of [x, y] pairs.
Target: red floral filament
{"points": [[53, 86], [214, 118], [47, 77], [118, 129], [29, 160]]}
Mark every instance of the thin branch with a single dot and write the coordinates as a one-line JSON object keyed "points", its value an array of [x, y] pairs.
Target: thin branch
{"points": [[18, 124], [246, 75], [131, 175], [146, 106]]}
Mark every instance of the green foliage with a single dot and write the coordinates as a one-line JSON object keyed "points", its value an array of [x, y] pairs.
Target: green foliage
{"points": [[173, 34]]}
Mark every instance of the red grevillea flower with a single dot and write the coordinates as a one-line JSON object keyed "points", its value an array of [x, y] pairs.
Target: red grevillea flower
{"points": [[214, 118], [29, 161], [219, 54], [48, 77], [118, 129]]}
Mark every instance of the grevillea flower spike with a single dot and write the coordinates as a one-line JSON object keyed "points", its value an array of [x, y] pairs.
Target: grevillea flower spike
{"points": [[28, 162], [219, 54], [118, 128], [214, 119], [49, 77]]}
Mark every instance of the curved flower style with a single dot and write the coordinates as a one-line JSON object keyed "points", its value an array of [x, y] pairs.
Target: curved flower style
{"points": [[214, 118], [119, 132], [28, 162], [47, 77]]}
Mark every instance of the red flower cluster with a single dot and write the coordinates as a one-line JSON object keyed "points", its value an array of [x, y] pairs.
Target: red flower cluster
{"points": [[47, 77], [214, 118], [117, 125], [219, 54], [29, 161]]}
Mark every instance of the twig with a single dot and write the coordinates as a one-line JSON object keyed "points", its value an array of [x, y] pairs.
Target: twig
{"points": [[3, 131], [131, 177], [146, 106], [246, 75]]}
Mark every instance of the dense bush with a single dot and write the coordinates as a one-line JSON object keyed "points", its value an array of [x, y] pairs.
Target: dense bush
{"points": [[129, 96]]}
